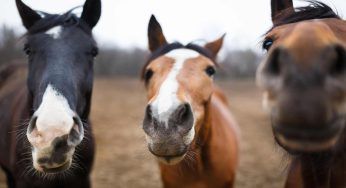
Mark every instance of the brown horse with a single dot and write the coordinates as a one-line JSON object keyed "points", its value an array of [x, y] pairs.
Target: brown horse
{"points": [[304, 82], [45, 137], [188, 125]]}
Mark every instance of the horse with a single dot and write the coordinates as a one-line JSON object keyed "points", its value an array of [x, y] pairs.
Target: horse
{"points": [[303, 82], [187, 123], [45, 136]]}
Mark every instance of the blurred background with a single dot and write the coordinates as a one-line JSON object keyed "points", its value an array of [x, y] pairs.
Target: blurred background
{"points": [[122, 159], [122, 30]]}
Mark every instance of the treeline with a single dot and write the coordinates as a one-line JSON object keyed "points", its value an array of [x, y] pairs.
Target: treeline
{"points": [[10, 45], [240, 64], [118, 62]]}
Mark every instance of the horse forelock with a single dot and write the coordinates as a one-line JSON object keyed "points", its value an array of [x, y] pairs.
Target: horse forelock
{"points": [[315, 10], [175, 46], [50, 21]]}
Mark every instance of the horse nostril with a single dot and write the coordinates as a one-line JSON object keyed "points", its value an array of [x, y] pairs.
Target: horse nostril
{"points": [[183, 112], [32, 124], [148, 113], [77, 132], [149, 123], [183, 116]]}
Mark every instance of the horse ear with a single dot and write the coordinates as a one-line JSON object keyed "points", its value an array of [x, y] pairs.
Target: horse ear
{"points": [[279, 5], [156, 37], [29, 17], [91, 12], [215, 46]]}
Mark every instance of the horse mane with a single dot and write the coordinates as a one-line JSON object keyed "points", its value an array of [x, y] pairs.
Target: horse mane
{"points": [[174, 46], [49, 21], [315, 10]]}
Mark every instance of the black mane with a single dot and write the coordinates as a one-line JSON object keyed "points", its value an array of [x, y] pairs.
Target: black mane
{"points": [[51, 20], [316, 10], [177, 45]]}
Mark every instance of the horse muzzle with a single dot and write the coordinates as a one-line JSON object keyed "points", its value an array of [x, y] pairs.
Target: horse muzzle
{"points": [[53, 148], [49, 161], [169, 139], [170, 152], [302, 139]]}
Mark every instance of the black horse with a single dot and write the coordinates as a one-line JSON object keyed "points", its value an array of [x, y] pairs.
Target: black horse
{"points": [[45, 135]]}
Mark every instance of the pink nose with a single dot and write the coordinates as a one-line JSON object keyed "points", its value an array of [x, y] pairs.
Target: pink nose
{"points": [[45, 138]]}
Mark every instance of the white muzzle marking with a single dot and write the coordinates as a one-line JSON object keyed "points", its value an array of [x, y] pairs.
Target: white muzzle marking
{"points": [[54, 119]]}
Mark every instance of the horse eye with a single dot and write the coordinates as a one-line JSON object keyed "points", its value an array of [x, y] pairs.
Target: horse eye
{"points": [[210, 71], [94, 52], [268, 42], [27, 49], [148, 74]]}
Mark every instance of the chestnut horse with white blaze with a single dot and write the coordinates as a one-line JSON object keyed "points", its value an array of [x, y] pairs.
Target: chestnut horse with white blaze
{"points": [[188, 126], [54, 146], [304, 83]]}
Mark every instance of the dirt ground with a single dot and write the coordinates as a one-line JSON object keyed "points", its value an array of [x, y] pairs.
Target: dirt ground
{"points": [[123, 161]]}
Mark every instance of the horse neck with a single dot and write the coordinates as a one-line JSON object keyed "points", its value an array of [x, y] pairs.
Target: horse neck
{"points": [[325, 170], [315, 170]]}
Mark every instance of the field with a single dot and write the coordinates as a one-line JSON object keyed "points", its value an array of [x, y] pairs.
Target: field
{"points": [[123, 161]]}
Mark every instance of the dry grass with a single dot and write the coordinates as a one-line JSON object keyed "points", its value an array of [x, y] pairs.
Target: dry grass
{"points": [[123, 161]]}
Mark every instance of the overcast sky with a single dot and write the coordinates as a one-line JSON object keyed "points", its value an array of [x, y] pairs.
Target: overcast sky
{"points": [[124, 22]]}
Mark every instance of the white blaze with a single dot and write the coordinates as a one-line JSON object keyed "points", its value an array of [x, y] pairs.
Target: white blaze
{"points": [[54, 32], [167, 100]]}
